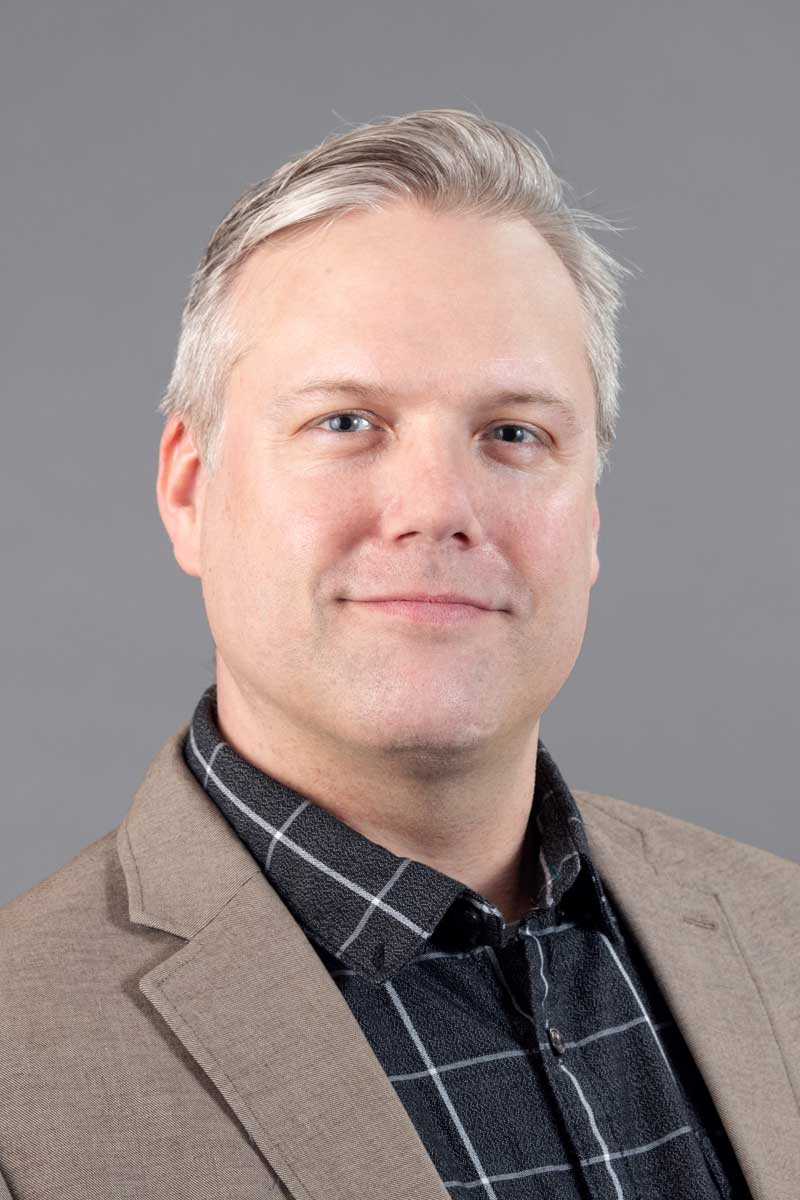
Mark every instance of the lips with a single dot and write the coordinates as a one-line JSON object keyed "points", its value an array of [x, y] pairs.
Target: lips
{"points": [[425, 613], [423, 598]]}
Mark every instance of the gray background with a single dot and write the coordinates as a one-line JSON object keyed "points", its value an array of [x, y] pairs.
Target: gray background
{"points": [[126, 131]]}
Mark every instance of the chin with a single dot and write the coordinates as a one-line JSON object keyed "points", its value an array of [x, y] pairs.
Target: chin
{"points": [[431, 737]]}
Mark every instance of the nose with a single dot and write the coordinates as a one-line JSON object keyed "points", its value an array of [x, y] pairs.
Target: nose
{"points": [[431, 489]]}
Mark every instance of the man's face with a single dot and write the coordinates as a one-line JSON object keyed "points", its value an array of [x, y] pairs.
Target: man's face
{"points": [[434, 487]]}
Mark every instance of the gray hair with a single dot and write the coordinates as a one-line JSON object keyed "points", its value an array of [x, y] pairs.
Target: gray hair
{"points": [[449, 161]]}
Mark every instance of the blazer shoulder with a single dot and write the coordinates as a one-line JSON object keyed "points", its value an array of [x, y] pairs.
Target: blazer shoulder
{"points": [[675, 844], [70, 892], [68, 943], [76, 916]]}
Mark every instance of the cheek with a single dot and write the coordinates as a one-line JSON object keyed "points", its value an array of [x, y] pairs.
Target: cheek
{"points": [[555, 543], [239, 552], [289, 537]]}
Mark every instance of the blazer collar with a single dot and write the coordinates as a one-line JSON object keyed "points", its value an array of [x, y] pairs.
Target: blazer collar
{"points": [[251, 1001]]}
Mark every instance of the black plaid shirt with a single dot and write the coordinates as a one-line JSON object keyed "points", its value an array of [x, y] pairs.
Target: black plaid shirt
{"points": [[536, 1058]]}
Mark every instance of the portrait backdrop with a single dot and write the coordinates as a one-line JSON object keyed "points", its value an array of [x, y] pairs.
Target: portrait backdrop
{"points": [[127, 131]]}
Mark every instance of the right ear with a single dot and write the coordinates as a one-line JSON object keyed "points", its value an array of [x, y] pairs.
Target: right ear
{"points": [[180, 492]]}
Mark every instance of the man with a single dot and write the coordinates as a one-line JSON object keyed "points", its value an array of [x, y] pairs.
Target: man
{"points": [[355, 936]]}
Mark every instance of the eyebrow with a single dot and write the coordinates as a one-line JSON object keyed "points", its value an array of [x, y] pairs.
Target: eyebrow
{"points": [[360, 390]]}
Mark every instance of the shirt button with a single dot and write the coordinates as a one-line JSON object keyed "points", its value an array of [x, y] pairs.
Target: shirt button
{"points": [[556, 1041], [473, 926]]}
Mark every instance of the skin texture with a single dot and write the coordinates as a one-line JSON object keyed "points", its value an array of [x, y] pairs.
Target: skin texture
{"points": [[423, 738]]}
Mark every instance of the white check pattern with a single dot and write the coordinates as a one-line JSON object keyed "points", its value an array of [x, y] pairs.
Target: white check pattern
{"points": [[536, 1059]]}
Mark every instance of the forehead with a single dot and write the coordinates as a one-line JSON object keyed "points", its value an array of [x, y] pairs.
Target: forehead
{"points": [[415, 294]]}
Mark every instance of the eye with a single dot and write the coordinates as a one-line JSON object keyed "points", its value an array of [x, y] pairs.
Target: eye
{"points": [[347, 416], [515, 440]]}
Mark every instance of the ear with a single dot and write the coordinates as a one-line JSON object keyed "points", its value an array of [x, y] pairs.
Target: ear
{"points": [[595, 570], [180, 492]]}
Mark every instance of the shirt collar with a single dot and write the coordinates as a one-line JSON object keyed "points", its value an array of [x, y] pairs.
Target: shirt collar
{"points": [[373, 910]]}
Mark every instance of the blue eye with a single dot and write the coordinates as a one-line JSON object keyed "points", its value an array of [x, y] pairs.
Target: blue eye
{"points": [[515, 441], [347, 415]]}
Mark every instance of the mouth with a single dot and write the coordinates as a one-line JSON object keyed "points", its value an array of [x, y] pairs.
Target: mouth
{"points": [[425, 612]]}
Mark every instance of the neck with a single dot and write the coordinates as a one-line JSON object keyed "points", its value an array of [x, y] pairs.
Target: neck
{"points": [[465, 816]]}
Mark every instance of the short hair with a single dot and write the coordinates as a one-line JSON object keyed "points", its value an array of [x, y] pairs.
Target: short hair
{"points": [[445, 159]]}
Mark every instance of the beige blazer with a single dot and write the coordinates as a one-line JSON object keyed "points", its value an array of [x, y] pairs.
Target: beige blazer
{"points": [[167, 1031]]}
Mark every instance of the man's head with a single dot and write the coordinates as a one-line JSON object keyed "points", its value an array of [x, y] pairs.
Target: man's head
{"points": [[445, 159], [458, 452]]}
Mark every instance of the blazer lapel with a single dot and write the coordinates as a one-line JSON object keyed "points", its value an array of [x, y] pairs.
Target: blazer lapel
{"points": [[253, 1004], [688, 936]]}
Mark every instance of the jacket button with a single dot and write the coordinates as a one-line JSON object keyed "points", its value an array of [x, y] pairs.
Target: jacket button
{"points": [[556, 1041]]}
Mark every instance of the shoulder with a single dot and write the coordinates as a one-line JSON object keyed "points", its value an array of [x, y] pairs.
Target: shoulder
{"points": [[74, 1029], [67, 897], [759, 890], [674, 844], [70, 933]]}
